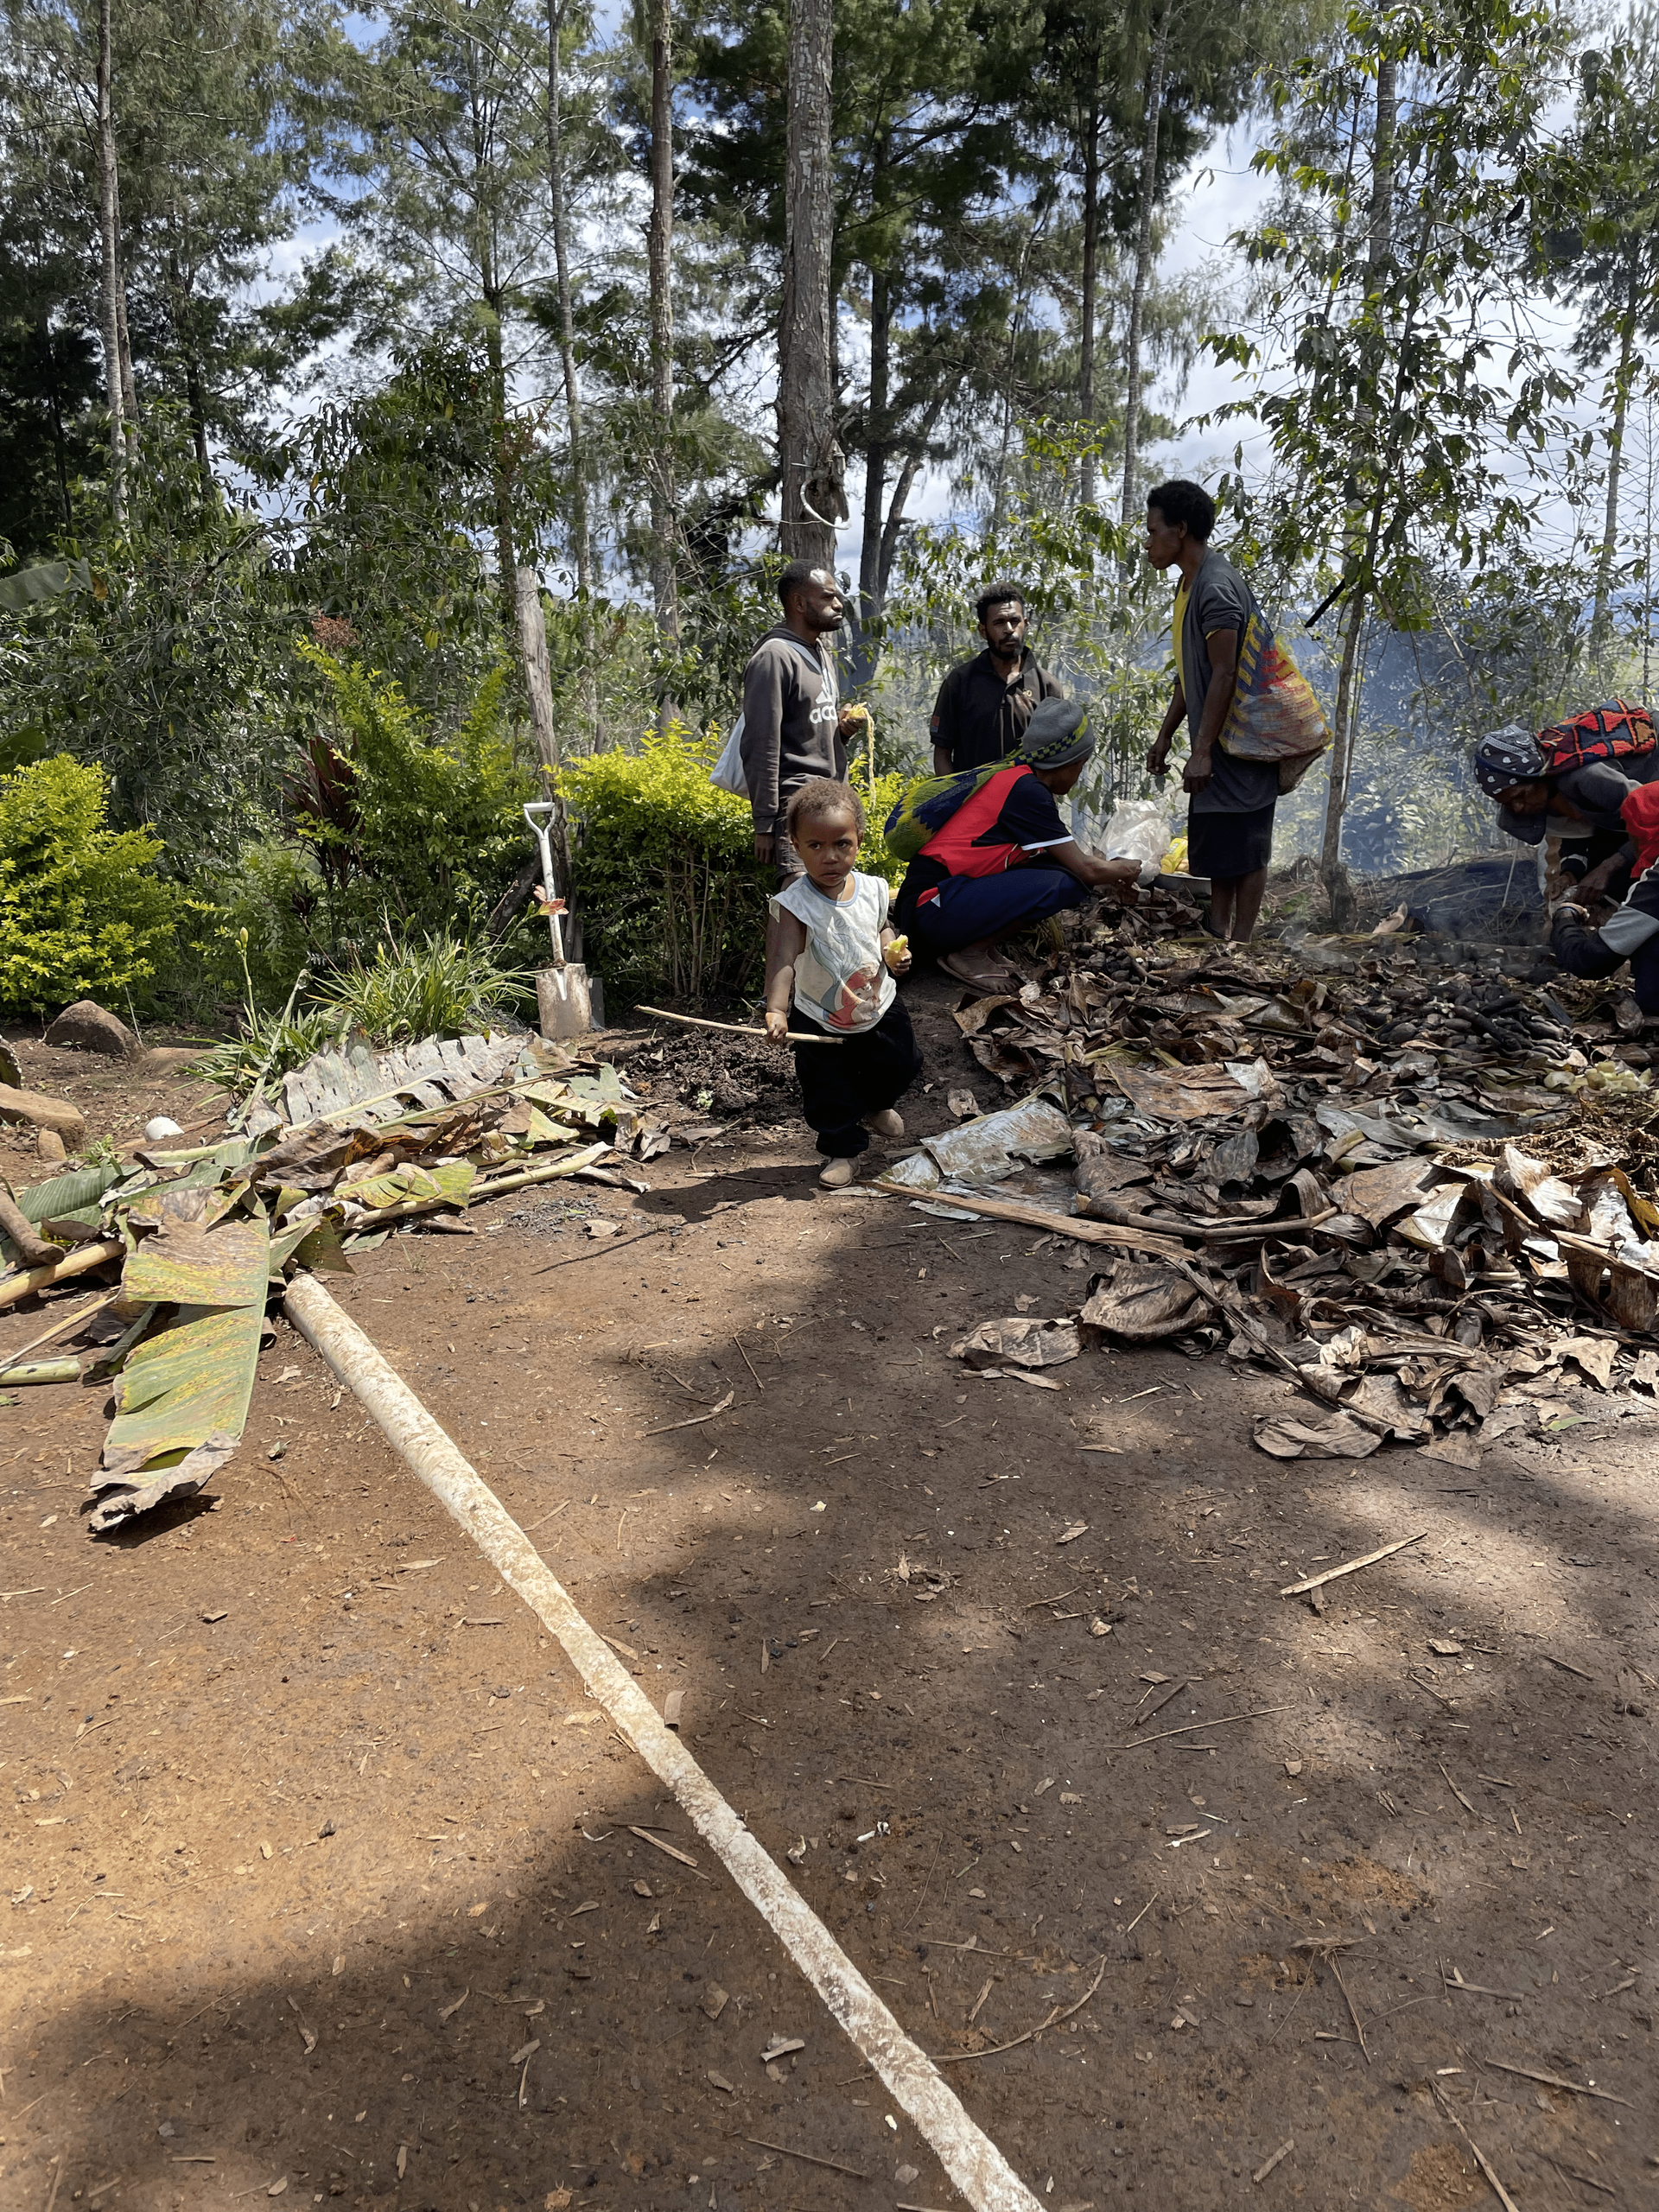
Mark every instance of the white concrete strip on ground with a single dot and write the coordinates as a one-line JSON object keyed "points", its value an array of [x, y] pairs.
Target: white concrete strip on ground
{"points": [[974, 2164]]}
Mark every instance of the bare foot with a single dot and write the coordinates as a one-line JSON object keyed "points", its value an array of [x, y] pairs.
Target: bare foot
{"points": [[987, 975]]}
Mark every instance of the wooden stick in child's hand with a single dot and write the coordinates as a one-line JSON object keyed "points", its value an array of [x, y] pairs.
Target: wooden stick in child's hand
{"points": [[734, 1028]]}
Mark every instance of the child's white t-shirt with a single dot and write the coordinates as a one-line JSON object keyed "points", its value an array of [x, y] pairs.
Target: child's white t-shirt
{"points": [[841, 979]]}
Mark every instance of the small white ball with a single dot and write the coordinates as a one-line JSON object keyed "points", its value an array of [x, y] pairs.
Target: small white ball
{"points": [[161, 1127]]}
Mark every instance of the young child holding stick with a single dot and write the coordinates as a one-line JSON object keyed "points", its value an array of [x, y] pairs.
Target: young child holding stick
{"points": [[834, 957]]}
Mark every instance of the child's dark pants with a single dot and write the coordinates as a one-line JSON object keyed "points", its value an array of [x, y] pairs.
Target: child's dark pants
{"points": [[867, 1071]]}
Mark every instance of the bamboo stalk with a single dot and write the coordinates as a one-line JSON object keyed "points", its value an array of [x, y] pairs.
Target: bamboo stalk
{"points": [[65, 1321], [41, 1371], [970, 2159], [13, 1288]]}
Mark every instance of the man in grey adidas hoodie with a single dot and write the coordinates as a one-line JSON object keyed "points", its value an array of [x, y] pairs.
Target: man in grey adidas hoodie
{"points": [[793, 723]]}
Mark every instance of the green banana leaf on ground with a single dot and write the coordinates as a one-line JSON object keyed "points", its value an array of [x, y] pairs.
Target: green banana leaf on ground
{"points": [[182, 1399]]}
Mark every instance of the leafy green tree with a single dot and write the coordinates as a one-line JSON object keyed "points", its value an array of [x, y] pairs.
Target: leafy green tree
{"points": [[1598, 227], [424, 827], [1405, 148], [399, 490], [436, 139], [208, 151], [167, 670]]}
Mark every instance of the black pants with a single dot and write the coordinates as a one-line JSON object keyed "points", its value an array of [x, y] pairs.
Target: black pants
{"points": [[1581, 952], [867, 1071]]}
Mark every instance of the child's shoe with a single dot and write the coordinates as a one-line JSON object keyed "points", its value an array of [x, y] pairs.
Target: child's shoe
{"points": [[836, 1174], [886, 1123]]}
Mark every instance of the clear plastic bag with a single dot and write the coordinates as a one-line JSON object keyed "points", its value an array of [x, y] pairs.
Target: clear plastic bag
{"points": [[1139, 830]]}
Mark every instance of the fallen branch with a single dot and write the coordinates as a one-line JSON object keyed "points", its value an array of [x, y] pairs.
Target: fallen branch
{"points": [[735, 1028], [33, 1250], [1057, 1224], [41, 1371], [958, 2057], [1151, 1712], [1326, 1947], [696, 1420], [1351, 1565], [1455, 1980], [810, 2156], [1267, 2164], [1197, 1727], [970, 2159], [1481, 2159], [1555, 2082], [61, 1326]]}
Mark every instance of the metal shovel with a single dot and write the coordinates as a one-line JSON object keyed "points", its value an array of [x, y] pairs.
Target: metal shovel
{"points": [[564, 995]]}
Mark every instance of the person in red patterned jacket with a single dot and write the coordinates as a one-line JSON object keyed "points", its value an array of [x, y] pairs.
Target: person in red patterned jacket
{"points": [[1004, 859]]}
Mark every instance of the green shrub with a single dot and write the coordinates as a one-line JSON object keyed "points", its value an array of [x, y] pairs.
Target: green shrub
{"points": [[276, 893], [428, 828], [880, 794], [670, 894], [438, 988], [82, 914], [270, 1046]]}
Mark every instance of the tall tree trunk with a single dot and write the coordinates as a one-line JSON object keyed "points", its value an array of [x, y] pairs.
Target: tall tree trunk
{"points": [[1154, 103], [567, 317], [1361, 552], [871, 583], [538, 681], [109, 294], [809, 461], [501, 469], [1602, 619], [660, 245], [581, 543], [907, 476], [1379, 241], [1344, 724], [198, 412], [54, 403], [1037, 217], [909, 470], [129, 387], [538, 690], [1090, 287]]}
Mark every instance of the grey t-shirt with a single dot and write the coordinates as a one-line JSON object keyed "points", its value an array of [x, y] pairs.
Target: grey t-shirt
{"points": [[1221, 599], [790, 708]]}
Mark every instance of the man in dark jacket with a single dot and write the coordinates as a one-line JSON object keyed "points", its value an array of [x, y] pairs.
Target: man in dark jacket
{"points": [[985, 703], [1581, 805], [794, 725], [1632, 932]]}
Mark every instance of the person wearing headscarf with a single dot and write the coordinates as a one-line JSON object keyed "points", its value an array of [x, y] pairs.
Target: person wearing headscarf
{"points": [[1581, 805], [1632, 932], [1004, 859]]}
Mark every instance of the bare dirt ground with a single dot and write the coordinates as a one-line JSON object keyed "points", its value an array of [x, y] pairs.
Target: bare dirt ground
{"points": [[323, 1874]]}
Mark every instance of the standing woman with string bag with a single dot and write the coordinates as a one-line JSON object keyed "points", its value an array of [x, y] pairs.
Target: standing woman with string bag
{"points": [[1256, 726]]}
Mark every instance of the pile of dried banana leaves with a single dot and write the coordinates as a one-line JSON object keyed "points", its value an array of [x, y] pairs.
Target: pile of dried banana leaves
{"points": [[357, 1143], [1425, 1193]]}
